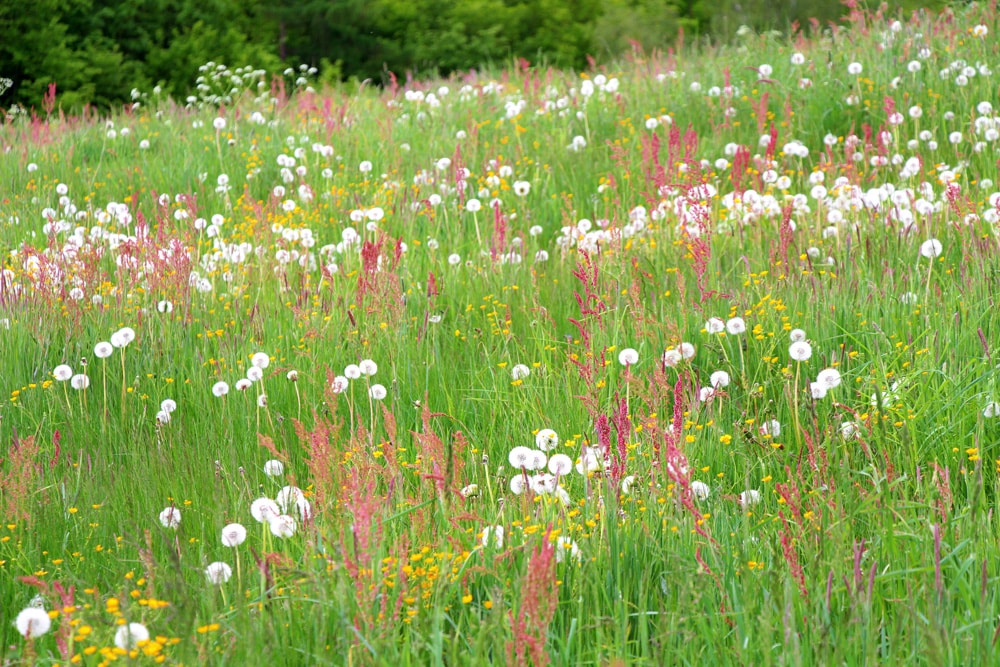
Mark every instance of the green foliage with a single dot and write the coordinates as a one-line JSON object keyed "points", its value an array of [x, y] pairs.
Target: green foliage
{"points": [[99, 51]]}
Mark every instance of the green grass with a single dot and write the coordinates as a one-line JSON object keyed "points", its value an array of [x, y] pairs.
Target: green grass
{"points": [[876, 548]]}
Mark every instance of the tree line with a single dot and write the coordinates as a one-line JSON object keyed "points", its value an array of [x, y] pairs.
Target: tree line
{"points": [[98, 51]]}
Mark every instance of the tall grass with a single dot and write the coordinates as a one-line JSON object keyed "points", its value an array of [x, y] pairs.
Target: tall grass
{"points": [[410, 346]]}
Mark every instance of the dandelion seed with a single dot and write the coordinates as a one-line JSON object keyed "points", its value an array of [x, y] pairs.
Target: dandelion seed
{"points": [[627, 485], [264, 509], [454, 259], [715, 325], [560, 464], [700, 490], [79, 381], [170, 517], [517, 485], [492, 536], [123, 337], [292, 376], [274, 468], [353, 372], [797, 335], [283, 526], [719, 379], [749, 497], [854, 69], [219, 123], [340, 384], [930, 248], [829, 378], [672, 357], [771, 428], [628, 357], [303, 509], [220, 389], [850, 430], [736, 326], [991, 410], [218, 573], [519, 457], [260, 360], [470, 491], [817, 390], [254, 373], [588, 463], [368, 367], [32, 622], [377, 392], [546, 440], [243, 384], [62, 373], [131, 635], [567, 548], [287, 497], [800, 350], [262, 401], [520, 371], [706, 394], [687, 350]]}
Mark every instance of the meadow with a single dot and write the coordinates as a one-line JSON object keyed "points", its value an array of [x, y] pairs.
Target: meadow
{"points": [[685, 357]]}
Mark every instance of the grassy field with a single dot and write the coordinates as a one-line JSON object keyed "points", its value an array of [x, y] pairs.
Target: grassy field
{"points": [[682, 358]]}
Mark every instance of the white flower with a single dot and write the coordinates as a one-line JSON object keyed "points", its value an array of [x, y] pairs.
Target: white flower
{"points": [[817, 390], [264, 509], [627, 485], [283, 526], [353, 372], [260, 360], [560, 464], [522, 188], [687, 350], [340, 384], [567, 547], [129, 635], [705, 394], [854, 69], [800, 350], [32, 622], [287, 496], [736, 325], [62, 372], [365, 166], [672, 357], [79, 381], [165, 306], [749, 497], [628, 357], [520, 457], [218, 573], [123, 337], [274, 468], [233, 535], [930, 248], [473, 205], [170, 517], [103, 350], [797, 335], [700, 490], [719, 379], [546, 440], [588, 463], [220, 389], [850, 430], [715, 325], [168, 405], [254, 373], [517, 484], [219, 123], [493, 536], [368, 367], [520, 371], [991, 410], [829, 378], [377, 392]]}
